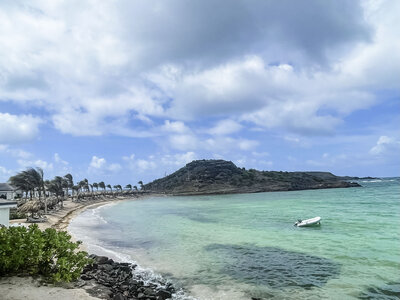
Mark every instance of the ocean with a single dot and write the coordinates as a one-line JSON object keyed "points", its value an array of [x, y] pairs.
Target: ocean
{"points": [[245, 245]]}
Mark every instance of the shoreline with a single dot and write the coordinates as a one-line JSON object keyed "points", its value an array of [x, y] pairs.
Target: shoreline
{"points": [[28, 287]]}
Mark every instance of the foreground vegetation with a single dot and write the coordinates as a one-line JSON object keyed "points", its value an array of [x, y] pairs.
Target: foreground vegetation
{"points": [[49, 253]]}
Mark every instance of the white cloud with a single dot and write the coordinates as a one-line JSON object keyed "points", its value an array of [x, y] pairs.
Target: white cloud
{"points": [[225, 127], [15, 152], [114, 167], [227, 144], [58, 159], [145, 165], [292, 139], [330, 161], [100, 164], [386, 146], [97, 162], [18, 128], [129, 158], [5, 174], [140, 164], [35, 163], [183, 141], [155, 163], [175, 127], [247, 144], [178, 159], [259, 154], [94, 75]]}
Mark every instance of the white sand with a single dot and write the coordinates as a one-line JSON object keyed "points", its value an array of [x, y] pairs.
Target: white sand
{"points": [[20, 288]]}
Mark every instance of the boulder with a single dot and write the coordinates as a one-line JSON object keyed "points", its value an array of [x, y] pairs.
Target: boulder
{"points": [[163, 294]]}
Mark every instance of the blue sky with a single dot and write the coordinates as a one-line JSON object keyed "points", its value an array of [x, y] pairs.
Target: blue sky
{"points": [[133, 90]]}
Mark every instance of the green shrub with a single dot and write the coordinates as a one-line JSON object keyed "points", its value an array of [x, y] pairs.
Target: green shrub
{"points": [[49, 253], [15, 214]]}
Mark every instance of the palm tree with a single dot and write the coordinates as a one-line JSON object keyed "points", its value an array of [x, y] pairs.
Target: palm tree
{"points": [[56, 187], [86, 185], [70, 183], [31, 180], [102, 185], [141, 185], [135, 188], [96, 186], [65, 185], [129, 187], [76, 189], [109, 186], [34, 177], [58, 184], [81, 185], [19, 182]]}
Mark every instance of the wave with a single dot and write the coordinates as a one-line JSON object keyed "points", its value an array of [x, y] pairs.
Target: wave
{"points": [[375, 180], [92, 217]]}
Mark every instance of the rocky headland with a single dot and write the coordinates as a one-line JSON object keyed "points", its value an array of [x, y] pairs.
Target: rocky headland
{"points": [[201, 177]]}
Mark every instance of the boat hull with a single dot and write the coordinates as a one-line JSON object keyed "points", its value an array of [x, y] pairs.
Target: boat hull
{"points": [[310, 222]]}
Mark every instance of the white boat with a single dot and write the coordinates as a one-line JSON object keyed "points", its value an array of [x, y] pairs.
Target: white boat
{"points": [[310, 222]]}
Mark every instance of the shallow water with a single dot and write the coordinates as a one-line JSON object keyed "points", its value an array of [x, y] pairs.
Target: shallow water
{"points": [[245, 245]]}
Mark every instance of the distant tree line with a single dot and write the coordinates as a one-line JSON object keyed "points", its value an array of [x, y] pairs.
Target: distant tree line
{"points": [[32, 184]]}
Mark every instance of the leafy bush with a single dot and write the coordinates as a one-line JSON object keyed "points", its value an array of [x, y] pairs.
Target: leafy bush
{"points": [[15, 214], [49, 253]]}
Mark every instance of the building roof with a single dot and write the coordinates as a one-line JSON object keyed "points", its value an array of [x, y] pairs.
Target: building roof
{"points": [[5, 187], [7, 204]]}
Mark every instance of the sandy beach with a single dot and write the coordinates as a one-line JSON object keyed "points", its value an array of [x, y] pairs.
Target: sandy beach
{"points": [[20, 288]]}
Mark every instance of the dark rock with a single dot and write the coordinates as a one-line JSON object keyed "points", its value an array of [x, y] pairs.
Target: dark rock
{"points": [[106, 267], [86, 277], [80, 283], [119, 296], [112, 280], [101, 260], [163, 294], [149, 292], [124, 268]]}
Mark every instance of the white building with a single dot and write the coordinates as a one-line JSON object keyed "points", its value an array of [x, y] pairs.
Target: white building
{"points": [[5, 206], [7, 195], [7, 192]]}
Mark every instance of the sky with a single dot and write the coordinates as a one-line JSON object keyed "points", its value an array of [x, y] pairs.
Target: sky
{"points": [[122, 91]]}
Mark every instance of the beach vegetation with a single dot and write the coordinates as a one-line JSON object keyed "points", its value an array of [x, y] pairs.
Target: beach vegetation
{"points": [[141, 185], [70, 183], [29, 181], [102, 185], [49, 253]]}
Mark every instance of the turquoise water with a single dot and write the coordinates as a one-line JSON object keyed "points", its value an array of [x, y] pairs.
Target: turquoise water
{"points": [[245, 245]]}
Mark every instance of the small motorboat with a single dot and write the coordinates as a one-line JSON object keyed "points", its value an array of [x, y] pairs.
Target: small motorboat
{"points": [[308, 223]]}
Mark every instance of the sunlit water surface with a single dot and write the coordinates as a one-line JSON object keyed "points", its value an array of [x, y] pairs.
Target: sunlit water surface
{"points": [[245, 245]]}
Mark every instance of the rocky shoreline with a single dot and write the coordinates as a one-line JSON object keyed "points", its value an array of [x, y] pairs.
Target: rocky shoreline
{"points": [[107, 279]]}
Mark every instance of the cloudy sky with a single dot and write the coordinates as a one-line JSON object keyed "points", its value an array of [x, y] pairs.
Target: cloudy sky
{"points": [[123, 91]]}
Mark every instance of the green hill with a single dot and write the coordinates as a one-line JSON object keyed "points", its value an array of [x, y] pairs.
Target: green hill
{"points": [[223, 177]]}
